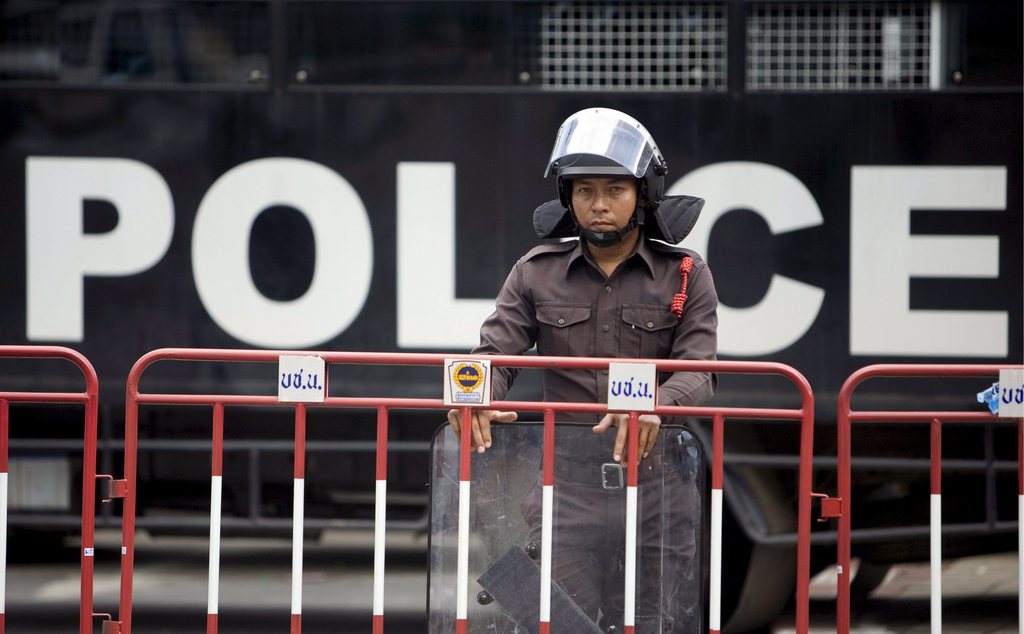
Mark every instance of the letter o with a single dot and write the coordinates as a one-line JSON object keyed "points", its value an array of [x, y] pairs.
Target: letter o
{"points": [[343, 246]]}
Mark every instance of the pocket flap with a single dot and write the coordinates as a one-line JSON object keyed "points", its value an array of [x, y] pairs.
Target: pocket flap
{"points": [[562, 315], [650, 318]]}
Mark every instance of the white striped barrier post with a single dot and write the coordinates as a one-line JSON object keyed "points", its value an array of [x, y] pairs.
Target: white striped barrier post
{"points": [[380, 518], [718, 446], [462, 576], [1020, 524], [216, 488], [547, 521], [298, 511], [4, 411], [632, 462], [935, 528]]}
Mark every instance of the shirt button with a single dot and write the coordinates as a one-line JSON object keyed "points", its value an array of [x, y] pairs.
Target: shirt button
{"points": [[561, 322], [604, 327], [650, 324], [604, 371], [607, 289]]}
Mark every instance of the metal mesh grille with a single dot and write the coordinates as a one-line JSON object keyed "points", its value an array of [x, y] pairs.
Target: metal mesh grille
{"points": [[633, 46], [125, 41], [838, 45]]}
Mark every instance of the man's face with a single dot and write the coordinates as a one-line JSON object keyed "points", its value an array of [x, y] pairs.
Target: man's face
{"points": [[604, 204]]}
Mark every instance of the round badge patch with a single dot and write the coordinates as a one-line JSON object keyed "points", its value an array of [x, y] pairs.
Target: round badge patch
{"points": [[468, 377]]}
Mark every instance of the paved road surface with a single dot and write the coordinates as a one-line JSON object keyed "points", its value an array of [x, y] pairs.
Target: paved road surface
{"points": [[170, 593], [979, 596]]}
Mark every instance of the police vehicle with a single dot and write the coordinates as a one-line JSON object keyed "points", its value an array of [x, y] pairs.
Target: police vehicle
{"points": [[171, 168]]}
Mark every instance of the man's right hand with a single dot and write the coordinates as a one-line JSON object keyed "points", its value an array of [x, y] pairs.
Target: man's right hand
{"points": [[480, 434]]}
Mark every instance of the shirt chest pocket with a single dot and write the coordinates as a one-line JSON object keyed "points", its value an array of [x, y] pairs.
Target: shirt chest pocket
{"points": [[647, 333], [564, 330]]}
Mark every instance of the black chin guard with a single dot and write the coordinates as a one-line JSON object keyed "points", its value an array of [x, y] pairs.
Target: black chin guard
{"points": [[671, 221], [609, 238]]}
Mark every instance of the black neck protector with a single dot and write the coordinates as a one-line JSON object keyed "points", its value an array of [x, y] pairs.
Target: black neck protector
{"points": [[670, 221]]}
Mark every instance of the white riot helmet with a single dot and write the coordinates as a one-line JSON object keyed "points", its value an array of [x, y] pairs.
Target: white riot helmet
{"points": [[601, 142]]}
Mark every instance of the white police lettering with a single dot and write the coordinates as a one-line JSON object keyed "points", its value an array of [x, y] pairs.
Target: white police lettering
{"points": [[788, 308], [885, 256], [59, 254], [429, 314], [343, 245]]}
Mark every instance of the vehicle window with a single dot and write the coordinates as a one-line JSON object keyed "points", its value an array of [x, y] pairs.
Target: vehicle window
{"points": [[127, 41]]}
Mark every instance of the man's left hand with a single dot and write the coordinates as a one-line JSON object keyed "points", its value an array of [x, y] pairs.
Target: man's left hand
{"points": [[649, 426]]}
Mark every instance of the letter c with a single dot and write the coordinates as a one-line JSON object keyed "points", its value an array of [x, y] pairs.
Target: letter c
{"points": [[788, 309]]}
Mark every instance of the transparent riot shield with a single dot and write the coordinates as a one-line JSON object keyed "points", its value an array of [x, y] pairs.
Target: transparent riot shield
{"points": [[588, 551]]}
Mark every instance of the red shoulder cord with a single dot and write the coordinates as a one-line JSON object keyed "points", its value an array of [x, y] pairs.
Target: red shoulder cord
{"points": [[679, 299]]}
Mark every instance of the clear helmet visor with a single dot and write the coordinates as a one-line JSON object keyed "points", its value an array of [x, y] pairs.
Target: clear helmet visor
{"points": [[608, 133]]}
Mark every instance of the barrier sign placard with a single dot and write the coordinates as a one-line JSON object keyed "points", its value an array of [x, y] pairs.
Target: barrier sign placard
{"points": [[632, 386], [1011, 393], [467, 382], [301, 379]]}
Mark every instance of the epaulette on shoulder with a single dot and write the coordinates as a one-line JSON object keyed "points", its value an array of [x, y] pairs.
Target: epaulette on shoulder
{"points": [[677, 251], [549, 249], [664, 247]]}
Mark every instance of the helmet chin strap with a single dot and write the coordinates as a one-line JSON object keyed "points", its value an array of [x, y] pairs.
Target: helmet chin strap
{"points": [[610, 238]]}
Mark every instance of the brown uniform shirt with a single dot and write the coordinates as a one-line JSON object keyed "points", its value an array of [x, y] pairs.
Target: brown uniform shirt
{"points": [[557, 298]]}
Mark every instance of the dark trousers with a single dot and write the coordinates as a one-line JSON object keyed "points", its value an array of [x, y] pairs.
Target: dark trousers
{"points": [[589, 544]]}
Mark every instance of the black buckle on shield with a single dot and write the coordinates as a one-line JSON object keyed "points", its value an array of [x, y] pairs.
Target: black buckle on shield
{"points": [[612, 478]]}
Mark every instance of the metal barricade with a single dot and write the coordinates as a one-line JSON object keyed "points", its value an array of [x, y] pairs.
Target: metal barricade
{"points": [[90, 399], [846, 417], [383, 405]]}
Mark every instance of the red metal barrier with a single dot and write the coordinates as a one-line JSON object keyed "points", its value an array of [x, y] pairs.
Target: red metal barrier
{"points": [[846, 416], [90, 399], [804, 414]]}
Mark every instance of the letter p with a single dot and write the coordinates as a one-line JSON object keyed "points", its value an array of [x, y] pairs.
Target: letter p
{"points": [[59, 254]]}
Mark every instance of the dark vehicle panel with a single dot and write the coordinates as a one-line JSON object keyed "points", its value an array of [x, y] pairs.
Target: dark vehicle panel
{"points": [[424, 128]]}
